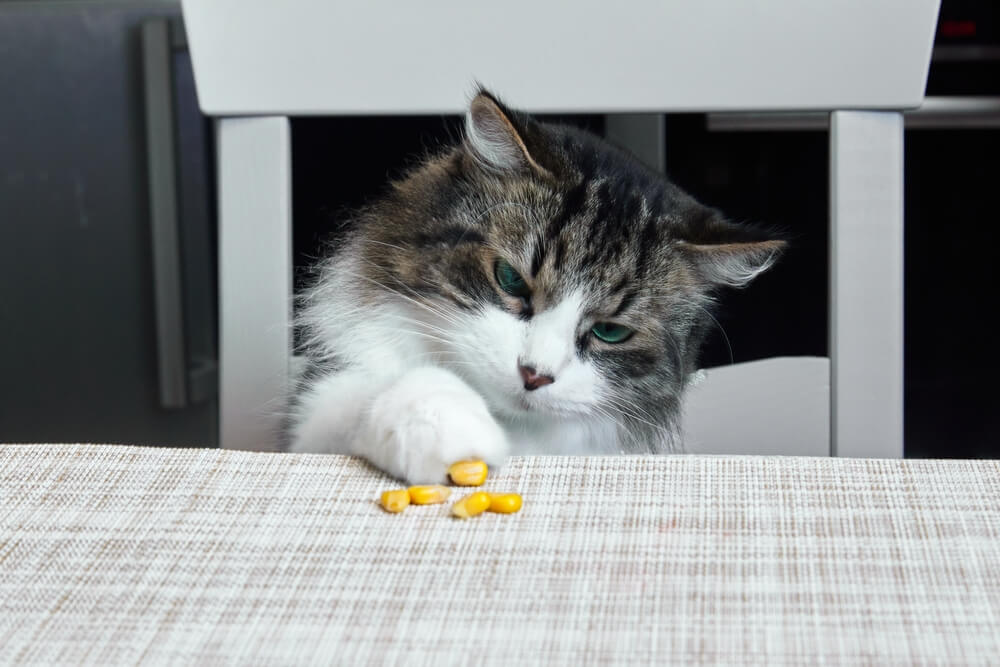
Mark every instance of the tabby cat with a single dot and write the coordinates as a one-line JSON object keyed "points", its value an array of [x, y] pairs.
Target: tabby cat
{"points": [[533, 290]]}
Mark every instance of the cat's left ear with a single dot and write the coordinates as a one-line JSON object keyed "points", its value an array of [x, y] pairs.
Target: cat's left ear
{"points": [[732, 255], [499, 138]]}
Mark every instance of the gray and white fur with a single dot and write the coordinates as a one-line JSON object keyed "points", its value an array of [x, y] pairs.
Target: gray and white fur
{"points": [[420, 351]]}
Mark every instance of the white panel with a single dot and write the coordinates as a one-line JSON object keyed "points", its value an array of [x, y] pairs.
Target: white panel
{"points": [[776, 406], [866, 283], [385, 56], [254, 278]]}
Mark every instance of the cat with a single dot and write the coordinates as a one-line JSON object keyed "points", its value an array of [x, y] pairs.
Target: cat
{"points": [[531, 290]]}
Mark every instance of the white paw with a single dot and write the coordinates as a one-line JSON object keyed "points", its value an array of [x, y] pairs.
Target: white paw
{"points": [[428, 420]]}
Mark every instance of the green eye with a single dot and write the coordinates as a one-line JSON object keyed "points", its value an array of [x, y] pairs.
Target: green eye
{"points": [[510, 281], [611, 333]]}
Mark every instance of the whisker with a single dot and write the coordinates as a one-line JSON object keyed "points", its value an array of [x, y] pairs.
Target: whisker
{"points": [[384, 243], [419, 304], [494, 207], [623, 430], [622, 408], [630, 405], [689, 302]]}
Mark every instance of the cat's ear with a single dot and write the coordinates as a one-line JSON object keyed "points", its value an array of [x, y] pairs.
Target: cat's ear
{"points": [[728, 254], [497, 137]]}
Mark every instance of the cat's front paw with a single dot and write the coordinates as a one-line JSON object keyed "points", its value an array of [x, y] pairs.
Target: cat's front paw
{"points": [[428, 420]]}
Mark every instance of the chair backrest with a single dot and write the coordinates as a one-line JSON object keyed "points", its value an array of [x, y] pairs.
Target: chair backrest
{"points": [[774, 406], [298, 57], [292, 57]]}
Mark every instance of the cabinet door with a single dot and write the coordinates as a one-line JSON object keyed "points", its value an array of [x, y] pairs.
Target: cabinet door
{"points": [[80, 354]]}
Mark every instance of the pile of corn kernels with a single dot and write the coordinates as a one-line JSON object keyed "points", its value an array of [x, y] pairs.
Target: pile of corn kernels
{"points": [[463, 473]]}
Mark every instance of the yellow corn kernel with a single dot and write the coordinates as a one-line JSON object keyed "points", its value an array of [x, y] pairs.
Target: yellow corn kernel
{"points": [[505, 503], [471, 505], [468, 473], [396, 500], [429, 495]]}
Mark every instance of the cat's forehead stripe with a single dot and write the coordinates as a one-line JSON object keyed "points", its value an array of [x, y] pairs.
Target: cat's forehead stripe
{"points": [[538, 256], [573, 202], [649, 239], [560, 253], [449, 237], [626, 301]]}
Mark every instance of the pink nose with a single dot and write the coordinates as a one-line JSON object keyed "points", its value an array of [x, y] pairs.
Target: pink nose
{"points": [[532, 380]]}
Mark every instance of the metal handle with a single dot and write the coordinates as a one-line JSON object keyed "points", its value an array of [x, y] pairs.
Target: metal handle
{"points": [[163, 212], [939, 113]]}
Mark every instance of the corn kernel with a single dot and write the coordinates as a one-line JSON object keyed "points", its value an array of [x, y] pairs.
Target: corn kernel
{"points": [[396, 500], [471, 505], [468, 473], [505, 503], [429, 495]]}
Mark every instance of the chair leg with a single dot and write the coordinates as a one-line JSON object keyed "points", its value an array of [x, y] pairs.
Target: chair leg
{"points": [[866, 283], [255, 278]]}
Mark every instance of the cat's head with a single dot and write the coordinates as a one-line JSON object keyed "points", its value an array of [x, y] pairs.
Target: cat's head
{"points": [[554, 272]]}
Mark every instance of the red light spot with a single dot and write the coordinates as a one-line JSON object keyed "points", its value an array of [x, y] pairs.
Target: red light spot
{"points": [[957, 29]]}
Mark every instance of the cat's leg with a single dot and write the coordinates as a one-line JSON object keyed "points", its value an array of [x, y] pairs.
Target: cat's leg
{"points": [[427, 420], [412, 427], [329, 414]]}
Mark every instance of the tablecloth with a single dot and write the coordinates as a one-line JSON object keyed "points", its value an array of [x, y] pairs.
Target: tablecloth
{"points": [[117, 554]]}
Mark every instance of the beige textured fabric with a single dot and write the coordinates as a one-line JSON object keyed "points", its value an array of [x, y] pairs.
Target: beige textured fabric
{"points": [[124, 555]]}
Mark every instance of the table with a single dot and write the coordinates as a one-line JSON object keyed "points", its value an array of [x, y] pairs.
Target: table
{"points": [[114, 554]]}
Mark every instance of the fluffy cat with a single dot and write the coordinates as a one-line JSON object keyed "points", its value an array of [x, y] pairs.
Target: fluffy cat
{"points": [[531, 290]]}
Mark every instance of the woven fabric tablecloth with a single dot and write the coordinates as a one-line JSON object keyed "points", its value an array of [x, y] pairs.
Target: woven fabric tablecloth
{"points": [[114, 554]]}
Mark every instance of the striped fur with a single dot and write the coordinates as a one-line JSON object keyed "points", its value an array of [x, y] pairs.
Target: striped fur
{"points": [[580, 220]]}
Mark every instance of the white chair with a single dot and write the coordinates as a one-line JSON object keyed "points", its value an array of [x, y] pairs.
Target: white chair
{"points": [[257, 62]]}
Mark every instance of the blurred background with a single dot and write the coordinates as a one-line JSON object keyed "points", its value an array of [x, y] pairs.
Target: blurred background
{"points": [[80, 145]]}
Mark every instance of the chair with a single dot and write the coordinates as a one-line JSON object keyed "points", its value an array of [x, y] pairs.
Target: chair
{"points": [[258, 62]]}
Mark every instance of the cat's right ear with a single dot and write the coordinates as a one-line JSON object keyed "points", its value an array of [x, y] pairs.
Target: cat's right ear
{"points": [[498, 138], [725, 253]]}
